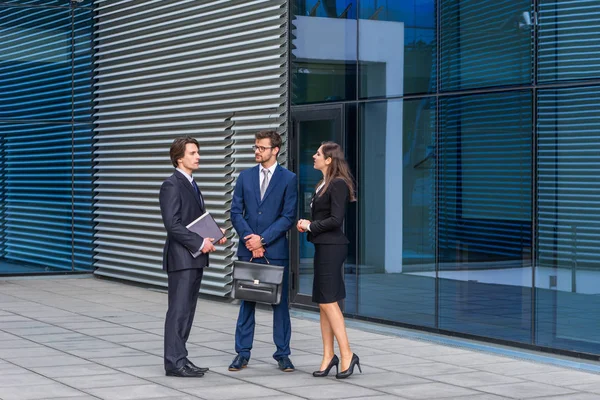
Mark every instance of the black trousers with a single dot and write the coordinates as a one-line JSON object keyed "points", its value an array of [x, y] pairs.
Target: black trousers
{"points": [[184, 286]]}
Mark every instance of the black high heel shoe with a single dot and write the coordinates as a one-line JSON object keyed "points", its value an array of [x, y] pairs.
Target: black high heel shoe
{"points": [[334, 361], [350, 370]]}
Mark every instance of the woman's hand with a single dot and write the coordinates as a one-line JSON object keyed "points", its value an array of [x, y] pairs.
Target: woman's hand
{"points": [[302, 225]]}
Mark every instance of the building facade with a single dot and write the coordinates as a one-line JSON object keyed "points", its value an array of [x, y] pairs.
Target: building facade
{"points": [[471, 128]]}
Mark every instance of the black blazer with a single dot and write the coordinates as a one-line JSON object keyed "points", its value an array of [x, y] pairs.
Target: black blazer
{"points": [[180, 205], [328, 211]]}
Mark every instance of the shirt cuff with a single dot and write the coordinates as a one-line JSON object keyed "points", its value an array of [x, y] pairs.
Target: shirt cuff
{"points": [[308, 228], [196, 254]]}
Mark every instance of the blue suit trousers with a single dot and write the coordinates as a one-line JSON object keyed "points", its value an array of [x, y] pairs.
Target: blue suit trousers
{"points": [[282, 327]]}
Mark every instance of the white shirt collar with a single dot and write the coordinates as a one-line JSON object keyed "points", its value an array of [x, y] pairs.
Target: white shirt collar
{"points": [[189, 177], [271, 168]]}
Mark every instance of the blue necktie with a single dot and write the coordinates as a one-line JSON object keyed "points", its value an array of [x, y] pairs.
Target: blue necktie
{"points": [[197, 192]]}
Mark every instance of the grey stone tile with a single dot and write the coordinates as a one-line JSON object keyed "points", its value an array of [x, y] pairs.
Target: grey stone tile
{"points": [[231, 392], [7, 368], [129, 361], [134, 337], [282, 381], [473, 379], [73, 370], [469, 359], [331, 391], [484, 396], [588, 387], [563, 378], [428, 351], [209, 379], [138, 392], [575, 396], [37, 351], [111, 329], [103, 380], [38, 392], [378, 380], [518, 368], [117, 351], [23, 379], [52, 361], [389, 360], [428, 391], [525, 390], [60, 337], [16, 343], [433, 369], [146, 371]]}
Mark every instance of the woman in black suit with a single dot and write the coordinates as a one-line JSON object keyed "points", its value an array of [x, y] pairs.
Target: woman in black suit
{"points": [[328, 208]]}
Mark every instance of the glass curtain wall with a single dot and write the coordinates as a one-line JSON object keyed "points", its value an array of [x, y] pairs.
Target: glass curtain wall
{"points": [[475, 153], [46, 136]]}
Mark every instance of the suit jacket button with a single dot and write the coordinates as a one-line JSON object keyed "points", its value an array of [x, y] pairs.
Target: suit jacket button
{"points": [[260, 212]]}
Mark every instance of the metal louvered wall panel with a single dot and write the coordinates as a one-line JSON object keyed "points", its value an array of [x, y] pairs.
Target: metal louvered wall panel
{"points": [[214, 70]]}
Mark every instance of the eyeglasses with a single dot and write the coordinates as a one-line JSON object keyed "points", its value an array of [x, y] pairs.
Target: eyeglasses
{"points": [[261, 149]]}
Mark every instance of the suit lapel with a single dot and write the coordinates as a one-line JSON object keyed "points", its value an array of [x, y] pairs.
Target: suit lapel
{"points": [[274, 181], [186, 184], [255, 182]]}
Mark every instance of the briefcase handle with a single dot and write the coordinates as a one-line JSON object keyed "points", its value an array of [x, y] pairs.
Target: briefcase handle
{"points": [[265, 257]]}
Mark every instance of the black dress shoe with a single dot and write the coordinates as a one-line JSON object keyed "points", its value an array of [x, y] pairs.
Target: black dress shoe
{"points": [[191, 366], [185, 372], [354, 362], [238, 363], [285, 364], [334, 362]]}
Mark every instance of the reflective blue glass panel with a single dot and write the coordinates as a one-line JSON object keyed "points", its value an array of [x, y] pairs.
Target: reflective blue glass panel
{"points": [[324, 54], [396, 204], [397, 47], [568, 214], [35, 63], [485, 215], [485, 43], [83, 83], [569, 40]]}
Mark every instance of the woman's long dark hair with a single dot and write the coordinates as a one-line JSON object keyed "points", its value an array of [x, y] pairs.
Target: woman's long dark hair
{"points": [[337, 169]]}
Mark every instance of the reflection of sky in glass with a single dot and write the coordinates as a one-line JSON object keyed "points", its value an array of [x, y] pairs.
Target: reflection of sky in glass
{"points": [[340, 6], [419, 13]]}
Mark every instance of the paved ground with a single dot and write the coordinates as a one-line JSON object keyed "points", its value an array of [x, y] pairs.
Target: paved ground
{"points": [[85, 338]]}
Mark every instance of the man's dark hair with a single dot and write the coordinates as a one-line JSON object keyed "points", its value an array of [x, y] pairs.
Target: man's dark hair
{"points": [[178, 148], [273, 136]]}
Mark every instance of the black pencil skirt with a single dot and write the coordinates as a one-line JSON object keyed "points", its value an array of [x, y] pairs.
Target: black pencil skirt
{"points": [[328, 282]]}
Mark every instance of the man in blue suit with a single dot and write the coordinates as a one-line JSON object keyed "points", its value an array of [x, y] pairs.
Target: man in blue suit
{"points": [[262, 212]]}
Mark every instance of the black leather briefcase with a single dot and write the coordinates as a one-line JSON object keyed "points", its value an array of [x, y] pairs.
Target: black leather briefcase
{"points": [[261, 283]]}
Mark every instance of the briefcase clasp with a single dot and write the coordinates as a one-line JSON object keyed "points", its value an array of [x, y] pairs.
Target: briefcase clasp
{"points": [[256, 281]]}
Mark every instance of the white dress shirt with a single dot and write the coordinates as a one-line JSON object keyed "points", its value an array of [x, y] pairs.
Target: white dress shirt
{"points": [[261, 175]]}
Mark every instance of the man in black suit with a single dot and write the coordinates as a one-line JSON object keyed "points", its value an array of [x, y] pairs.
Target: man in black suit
{"points": [[184, 256]]}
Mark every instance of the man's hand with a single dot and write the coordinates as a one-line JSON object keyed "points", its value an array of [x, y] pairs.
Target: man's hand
{"points": [[208, 246], [224, 239], [258, 253], [253, 242]]}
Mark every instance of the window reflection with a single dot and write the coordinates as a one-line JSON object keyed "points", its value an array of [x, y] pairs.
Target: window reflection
{"points": [[567, 273], [397, 211], [485, 43], [484, 216], [397, 46], [323, 51]]}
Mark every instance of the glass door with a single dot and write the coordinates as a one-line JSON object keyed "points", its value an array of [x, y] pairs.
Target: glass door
{"points": [[310, 127]]}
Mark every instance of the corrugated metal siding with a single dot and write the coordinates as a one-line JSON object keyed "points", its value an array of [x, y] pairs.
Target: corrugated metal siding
{"points": [[215, 70]]}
